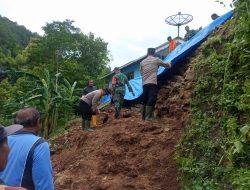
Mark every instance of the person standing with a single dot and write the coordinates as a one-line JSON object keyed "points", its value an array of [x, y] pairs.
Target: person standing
{"points": [[119, 81], [190, 33], [4, 151], [171, 44], [29, 163], [89, 88], [89, 106], [148, 68]]}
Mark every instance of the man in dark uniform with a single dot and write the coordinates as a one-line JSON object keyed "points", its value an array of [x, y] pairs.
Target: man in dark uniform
{"points": [[118, 90]]}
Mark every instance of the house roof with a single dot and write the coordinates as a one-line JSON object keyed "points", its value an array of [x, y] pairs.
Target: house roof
{"points": [[159, 48]]}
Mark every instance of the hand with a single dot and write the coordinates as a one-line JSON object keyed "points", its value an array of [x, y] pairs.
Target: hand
{"points": [[169, 64], [94, 111]]}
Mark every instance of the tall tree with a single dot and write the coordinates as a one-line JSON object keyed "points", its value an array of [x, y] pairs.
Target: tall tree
{"points": [[54, 64], [65, 49]]}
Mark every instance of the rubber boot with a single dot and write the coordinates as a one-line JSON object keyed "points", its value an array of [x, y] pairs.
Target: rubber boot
{"points": [[117, 113], [149, 113], [83, 124], [143, 109], [87, 126], [94, 120]]}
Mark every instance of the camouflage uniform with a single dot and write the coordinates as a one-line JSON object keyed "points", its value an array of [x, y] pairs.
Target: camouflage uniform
{"points": [[190, 34], [118, 91]]}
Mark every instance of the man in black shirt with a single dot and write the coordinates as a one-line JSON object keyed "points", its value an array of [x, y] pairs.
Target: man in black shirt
{"points": [[89, 88]]}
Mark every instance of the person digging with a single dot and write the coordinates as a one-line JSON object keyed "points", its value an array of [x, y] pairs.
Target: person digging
{"points": [[89, 106]]}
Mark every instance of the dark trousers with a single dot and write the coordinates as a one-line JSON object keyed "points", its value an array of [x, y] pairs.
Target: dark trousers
{"points": [[149, 95], [85, 110]]}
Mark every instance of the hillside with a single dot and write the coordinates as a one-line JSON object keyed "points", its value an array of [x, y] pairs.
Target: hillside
{"points": [[199, 141], [13, 37], [127, 153]]}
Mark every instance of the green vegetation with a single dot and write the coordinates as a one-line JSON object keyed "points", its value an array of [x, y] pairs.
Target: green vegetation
{"points": [[13, 37], [49, 72], [214, 152]]}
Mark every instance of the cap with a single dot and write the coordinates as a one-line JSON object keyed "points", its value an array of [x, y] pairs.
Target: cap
{"points": [[151, 51], [13, 128], [5, 131], [116, 68]]}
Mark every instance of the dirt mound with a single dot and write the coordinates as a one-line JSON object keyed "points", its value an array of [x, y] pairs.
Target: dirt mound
{"points": [[126, 153]]}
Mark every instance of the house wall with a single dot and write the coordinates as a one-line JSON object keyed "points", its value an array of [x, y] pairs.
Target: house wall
{"points": [[133, 68]]}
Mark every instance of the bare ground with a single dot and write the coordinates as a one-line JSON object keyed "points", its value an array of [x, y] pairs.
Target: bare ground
{"points": [[126, 153]]}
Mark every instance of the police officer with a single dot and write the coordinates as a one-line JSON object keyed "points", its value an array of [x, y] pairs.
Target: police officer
{"points": [[149, 67]]}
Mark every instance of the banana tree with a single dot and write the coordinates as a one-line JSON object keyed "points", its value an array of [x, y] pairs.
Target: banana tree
{"points": [[49, 101]]}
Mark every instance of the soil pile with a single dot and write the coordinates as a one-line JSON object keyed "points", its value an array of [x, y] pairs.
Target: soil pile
{"points": [[126, 153]]}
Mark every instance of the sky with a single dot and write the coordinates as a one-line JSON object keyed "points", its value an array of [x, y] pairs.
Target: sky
{"points": [[128, 26]]}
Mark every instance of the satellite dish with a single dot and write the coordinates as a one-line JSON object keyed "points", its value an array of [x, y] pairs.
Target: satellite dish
{"points": [[178, 20]]}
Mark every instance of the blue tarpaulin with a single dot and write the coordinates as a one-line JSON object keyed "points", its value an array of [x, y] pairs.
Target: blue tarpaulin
{"points": [[180, 52]]}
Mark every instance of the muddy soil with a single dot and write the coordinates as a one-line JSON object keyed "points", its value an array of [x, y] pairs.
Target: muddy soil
{"points": [[126, 153]]}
